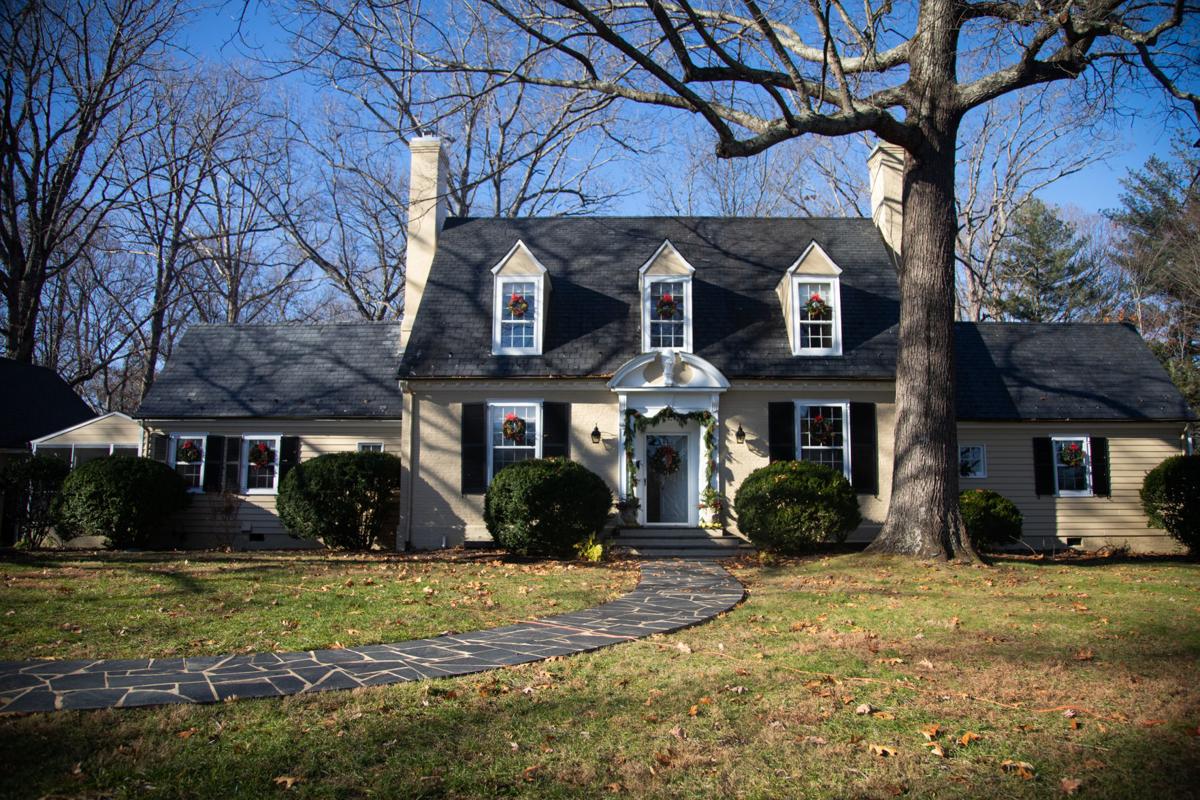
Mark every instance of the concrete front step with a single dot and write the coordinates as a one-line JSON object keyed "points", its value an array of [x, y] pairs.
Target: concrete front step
{"points": [[679, 543]]}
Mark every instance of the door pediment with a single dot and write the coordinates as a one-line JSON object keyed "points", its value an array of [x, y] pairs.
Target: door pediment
{"points": [[668, 371]]}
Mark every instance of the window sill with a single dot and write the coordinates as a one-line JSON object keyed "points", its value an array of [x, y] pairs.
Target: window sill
{"points": [[1087, 493], [250, 492], [516, 351], [818, 353]]}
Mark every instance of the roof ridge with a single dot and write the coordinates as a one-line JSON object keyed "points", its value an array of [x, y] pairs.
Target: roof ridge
{"points": [[723, 218], [298, 324]]}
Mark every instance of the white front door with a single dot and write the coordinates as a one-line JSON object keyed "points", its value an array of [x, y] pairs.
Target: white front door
{"points": [[670, 478]]}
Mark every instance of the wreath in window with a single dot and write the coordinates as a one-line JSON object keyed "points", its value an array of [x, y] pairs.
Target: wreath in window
{"points": [[517, 306], [665, 460], [1071, 455], [261, 455], [666, 307], [513, 428], [816, 307], [820, 430], [189, 452]]}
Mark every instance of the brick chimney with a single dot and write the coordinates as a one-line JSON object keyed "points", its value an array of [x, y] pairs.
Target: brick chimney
{"points": [[886, 166], [426, 213]]}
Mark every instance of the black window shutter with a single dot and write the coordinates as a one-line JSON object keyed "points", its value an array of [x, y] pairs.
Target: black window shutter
{"points": [[158, 447], [214, 462], [864, 449], [474, 448], [781, 431], [556, 430], [1043, 466], [289, 454], [1101, 477], [233, 463]]}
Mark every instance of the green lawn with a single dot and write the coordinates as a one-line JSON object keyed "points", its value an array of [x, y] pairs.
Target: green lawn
{"points": [[127, 606], [1086, 671]]}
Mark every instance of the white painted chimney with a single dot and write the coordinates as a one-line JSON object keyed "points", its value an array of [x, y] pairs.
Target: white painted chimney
{"points": [[427, 208], [886, 166]]}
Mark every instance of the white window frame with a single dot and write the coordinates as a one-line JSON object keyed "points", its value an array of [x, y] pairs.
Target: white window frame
{"points": [[173, 446], [1087, 463], [111, 446], [244, 462], [798, 301], [648, 311], [492, 408], [501, 296], [802, 405], [359, 447], [982, 448]]}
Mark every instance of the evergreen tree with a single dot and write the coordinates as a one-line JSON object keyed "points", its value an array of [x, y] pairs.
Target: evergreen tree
{"points": [[1045, 270]]}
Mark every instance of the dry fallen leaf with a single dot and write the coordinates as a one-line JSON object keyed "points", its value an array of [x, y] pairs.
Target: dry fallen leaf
{"points": [[287, 781], [1151, 723], [1023, 768], [936, 749], [678, 732], [530, 773], [931, 732], [694, 711], [186, 734], [1084, 654], [865, 708], [683, 648], [884, 715], [663, 758], [968, 737], [1070, 786], [883, 751]]}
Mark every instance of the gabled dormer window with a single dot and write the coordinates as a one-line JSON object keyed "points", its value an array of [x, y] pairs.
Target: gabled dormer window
{"points": [[666, 286], [812, 304], [519, 294]]}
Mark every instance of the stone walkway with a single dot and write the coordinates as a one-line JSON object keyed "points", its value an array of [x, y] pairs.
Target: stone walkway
{"points": [[671, 595]]}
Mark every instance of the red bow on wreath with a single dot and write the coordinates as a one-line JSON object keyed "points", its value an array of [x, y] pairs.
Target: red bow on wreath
{"points": [[666, 307], [513, 428]]}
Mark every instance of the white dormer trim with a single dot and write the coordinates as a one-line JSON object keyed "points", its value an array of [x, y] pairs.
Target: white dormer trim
{"points": [[674, 269], [813, 266], [527, 269]]}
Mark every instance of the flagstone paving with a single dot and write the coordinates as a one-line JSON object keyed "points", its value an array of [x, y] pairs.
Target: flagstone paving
{"points": [[671, 595]]}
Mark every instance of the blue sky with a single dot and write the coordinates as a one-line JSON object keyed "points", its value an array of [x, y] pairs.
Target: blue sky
{"points": [[1142, 132]]}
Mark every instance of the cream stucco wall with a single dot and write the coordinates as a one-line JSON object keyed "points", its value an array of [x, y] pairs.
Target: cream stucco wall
{"points": [[436, 513], [1134, 450], [237, 520]]}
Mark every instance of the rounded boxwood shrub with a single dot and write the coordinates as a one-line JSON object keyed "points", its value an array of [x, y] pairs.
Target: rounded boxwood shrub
{"points": [[791, 506], [991, 519], [1171, 499], [30, 487], [123, 498], [343, 499], [546, 507]]}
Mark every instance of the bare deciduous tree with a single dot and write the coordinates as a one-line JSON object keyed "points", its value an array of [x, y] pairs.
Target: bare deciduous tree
{"points": [[76, 75], [761, 76]]}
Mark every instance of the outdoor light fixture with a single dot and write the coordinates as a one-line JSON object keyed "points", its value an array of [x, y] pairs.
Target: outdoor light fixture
{"points": [[596, 435], [740, 435]]}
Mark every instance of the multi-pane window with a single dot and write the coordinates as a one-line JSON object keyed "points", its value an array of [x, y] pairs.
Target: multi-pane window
{"points": [[972, 461], [514, 434], [260, 463], [823, 436], [818, 315], [187, 457], [1072, 466], [668, 312], [370, 447], [518, 315], [83, 453]]}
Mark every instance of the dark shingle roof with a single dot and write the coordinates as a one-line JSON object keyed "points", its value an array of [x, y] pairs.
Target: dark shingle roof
{"points": [[35, 402], [313, 370], [594, 321], [1061, 371]]}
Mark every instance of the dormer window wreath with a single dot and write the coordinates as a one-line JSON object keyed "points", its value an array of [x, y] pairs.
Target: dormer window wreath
{"points": [[517, 306], [816, 307], [513, 428], [188, 452], [261, 455], [666, 307]]}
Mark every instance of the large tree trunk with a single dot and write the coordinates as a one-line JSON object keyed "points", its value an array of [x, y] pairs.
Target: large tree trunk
{"points": [[923, 517]]}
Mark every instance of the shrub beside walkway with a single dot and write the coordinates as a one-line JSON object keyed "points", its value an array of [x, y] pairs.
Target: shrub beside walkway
{"points": [[670, 596]]}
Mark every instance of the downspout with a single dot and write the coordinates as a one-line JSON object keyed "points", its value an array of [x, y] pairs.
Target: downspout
{"points": [[407, 429]]}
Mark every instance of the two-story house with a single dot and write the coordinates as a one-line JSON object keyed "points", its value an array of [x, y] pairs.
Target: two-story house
{"points": [[672, 356]]}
